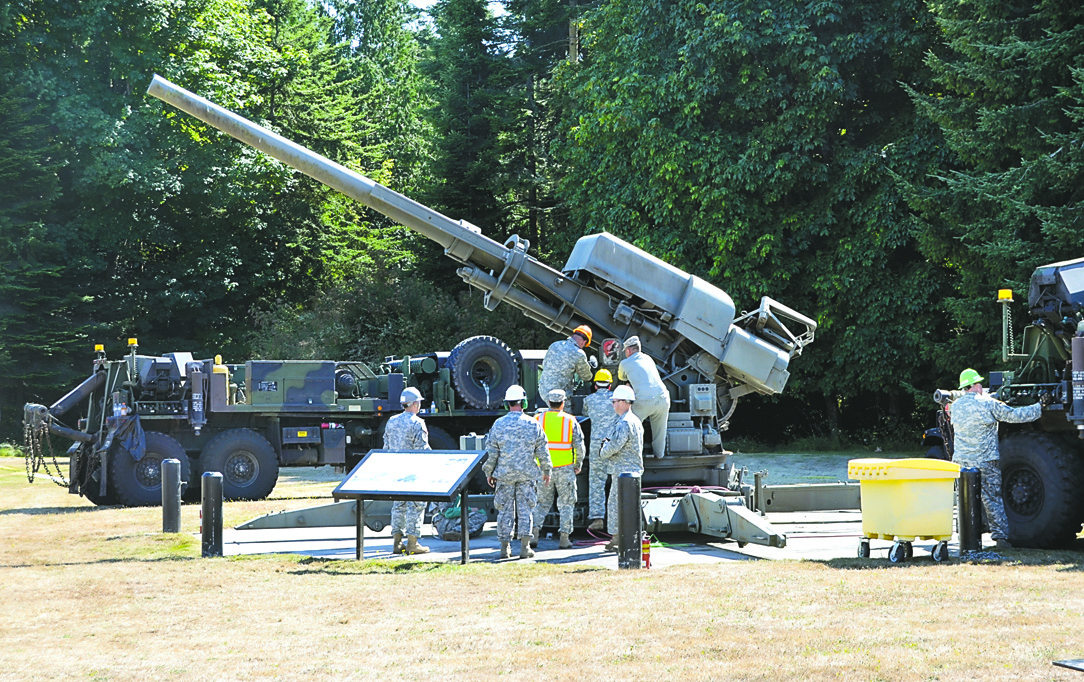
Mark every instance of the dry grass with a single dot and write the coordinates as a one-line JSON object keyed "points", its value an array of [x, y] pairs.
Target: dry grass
{"points": [[96, 594]]}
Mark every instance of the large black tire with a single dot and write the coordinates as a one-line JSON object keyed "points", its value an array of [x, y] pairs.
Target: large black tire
{"points": [[139, 484], [937, 452], [247, 462], [482, 361], [1041, 478], [439, 439], [89, 481]]}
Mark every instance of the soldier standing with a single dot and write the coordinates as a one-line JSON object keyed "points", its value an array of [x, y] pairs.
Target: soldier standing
{"points": [[565, 360], [600, 411], [517, 458], [652, 398], [974, 427], [564, 439], [406, 431], [624, 449]]}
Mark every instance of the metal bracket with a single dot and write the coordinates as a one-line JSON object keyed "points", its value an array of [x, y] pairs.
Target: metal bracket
{"points": [[513, 265]]}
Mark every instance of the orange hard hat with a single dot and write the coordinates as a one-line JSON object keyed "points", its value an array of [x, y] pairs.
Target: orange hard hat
{"points": [[585, 331]]}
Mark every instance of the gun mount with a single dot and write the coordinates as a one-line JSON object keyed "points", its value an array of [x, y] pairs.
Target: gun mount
{"points": [[685, 324]]}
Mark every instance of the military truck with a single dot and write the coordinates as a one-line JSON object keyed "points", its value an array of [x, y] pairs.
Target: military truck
{"points": [[1042, 462]]}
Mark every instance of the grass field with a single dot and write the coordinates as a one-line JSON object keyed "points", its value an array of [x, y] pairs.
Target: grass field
{"points": [[99, 594]]}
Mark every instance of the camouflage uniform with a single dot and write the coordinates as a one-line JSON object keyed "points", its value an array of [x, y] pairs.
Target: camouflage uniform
{"points": [[406, 431], [564, 362], [624, 453], [517, 459], [974, 429], [652, 399], [562, 485], [600, 410]]}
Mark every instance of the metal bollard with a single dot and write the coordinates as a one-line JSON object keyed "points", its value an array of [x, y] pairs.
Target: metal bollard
{"points": [[629, 517], [211, 515], [969, 510], [171, 496]]}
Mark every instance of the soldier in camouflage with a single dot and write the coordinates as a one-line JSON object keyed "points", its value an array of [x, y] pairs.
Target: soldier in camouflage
{"points": [[600, 410], [517, 458], [623, 451], [974, 427], [566, 453], [406, 431], [565, 361]]}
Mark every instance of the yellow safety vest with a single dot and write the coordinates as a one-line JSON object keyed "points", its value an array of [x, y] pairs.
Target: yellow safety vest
{"points": [[558, 427]]}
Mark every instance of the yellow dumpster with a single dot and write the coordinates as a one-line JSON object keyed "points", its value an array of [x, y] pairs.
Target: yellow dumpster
{"points": [[905, 500]]}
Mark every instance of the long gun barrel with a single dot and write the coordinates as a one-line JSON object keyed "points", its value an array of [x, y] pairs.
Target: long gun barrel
{"points": [[684, 323]]}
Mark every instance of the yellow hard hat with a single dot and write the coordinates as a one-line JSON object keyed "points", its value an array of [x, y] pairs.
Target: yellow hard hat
{"points": [[603, 376], [585, 331]]}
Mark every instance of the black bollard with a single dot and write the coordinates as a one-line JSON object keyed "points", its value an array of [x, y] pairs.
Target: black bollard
{"points": [[211, 515], [969, 511], [171, 496], [629, 518]]}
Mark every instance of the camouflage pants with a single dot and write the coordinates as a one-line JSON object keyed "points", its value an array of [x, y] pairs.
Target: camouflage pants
{"points": [[992, 500], [597, 471], [562, 485], [406, 517], [514, 501]]}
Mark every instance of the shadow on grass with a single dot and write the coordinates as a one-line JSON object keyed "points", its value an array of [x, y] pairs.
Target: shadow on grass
{"points": [[34, 511], [100, 562], [1069, 559], [311, 565]]}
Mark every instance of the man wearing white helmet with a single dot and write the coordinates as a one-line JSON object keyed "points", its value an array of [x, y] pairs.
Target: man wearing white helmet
{"points": [[404, 432], [652, 398], [518, 457], [623, 452]]}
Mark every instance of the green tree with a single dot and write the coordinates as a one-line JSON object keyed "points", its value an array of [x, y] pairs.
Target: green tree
{"points": [[756, 144], [1007, 96]]}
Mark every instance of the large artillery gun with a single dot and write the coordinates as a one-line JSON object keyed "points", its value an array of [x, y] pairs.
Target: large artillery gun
{"points": [[1042, 464], [708, 356]]}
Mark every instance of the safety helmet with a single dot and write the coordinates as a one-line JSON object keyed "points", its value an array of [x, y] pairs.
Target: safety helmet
{"points": [[410, 395], [515, 394], [624, 392], [585, 330], [603, 376], [969, 378]]}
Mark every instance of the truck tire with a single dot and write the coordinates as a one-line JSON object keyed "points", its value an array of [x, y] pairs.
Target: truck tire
{"points": [[89, 486], [439, 439], [247, 462], [1041, 478], [482, 361], [139, 484], [937, 452]]}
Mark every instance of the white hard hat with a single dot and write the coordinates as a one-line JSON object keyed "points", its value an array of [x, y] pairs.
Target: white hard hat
{"points": [[514, 394], [623, 392], [410, 395]]}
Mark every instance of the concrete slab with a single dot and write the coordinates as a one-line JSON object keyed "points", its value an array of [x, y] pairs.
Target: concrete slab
{"points": [[819, 536]]}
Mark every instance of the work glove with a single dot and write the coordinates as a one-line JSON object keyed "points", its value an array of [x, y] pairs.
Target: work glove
{"points": [[593, 361], [1045, 398]]}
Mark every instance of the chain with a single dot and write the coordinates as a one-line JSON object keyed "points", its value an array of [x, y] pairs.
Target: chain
{"points": [[1012, 337], [35, 454]]}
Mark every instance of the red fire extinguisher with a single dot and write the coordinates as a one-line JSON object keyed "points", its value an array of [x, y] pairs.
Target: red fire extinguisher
{"points": [[645, 550]]}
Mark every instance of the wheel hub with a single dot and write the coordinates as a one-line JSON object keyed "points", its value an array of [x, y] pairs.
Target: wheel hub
{"points": [[1023, 491], [148, 472], [241, 468]]}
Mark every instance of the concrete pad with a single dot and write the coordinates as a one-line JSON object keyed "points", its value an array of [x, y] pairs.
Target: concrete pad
{"points": [[819, 536]]}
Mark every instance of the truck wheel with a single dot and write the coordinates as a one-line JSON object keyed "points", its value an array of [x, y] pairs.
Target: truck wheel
{"points": [[1040, 480], [247, 462], [139, 484], [439, 439], [89, 485], [483, 368], [937, 452]]}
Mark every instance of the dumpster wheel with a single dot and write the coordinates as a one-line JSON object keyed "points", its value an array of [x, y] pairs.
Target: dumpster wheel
{"points": [[940, 552]]}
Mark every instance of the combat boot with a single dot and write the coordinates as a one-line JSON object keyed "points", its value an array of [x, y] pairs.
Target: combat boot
{"points": [[611, 546], [413, 547], [506, 549], [534, 542], [597, 524], [397, 543], [565, 542], [525, 551]]}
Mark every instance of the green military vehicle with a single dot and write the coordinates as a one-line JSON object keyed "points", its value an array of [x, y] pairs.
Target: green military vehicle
{"points": [[246, 421], [1042, 462]]}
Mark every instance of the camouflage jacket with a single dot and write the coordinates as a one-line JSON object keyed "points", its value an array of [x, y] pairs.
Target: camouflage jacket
{"points": [[517, 450], [974, 426], [598, 408], [642, 374], [624, 451], [406, 431], [564, 362]]}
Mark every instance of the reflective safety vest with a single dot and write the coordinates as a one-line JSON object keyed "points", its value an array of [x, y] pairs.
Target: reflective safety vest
{"points": [[558, 427]]}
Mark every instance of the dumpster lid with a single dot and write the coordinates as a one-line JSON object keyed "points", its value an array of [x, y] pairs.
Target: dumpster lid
{"points": [[901, 469]]}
